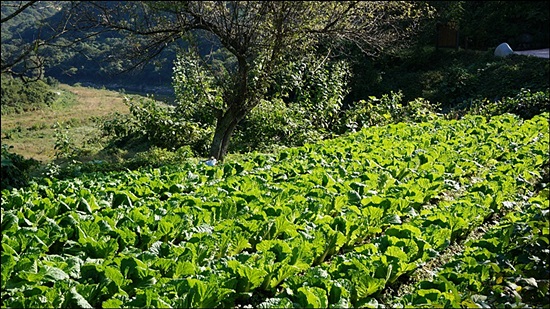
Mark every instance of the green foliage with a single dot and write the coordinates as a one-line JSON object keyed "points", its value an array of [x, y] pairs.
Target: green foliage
{"points": [[15, 168], [304, 105], [119, 126], [336, 224], [316, 88], [525, 104], [271, 124], [448, 77], [509, 264], [64, 146], [150, 158], [156, 157], [198, 96], [18, 97], [188, 124], [385, 110], [157, 124]]}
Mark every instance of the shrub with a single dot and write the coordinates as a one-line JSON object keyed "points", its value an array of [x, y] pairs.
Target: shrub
{"points": [[15, 169], [51, 81], [385, 110], [156, 157], [64, 145], [153, 157], [271, 124], [120, 126], [18, 97], [160, 125], [525, 104]]}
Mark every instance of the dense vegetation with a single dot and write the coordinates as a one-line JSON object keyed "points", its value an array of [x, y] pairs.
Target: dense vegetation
{"points": [[18, 96], [334, 224], [451, 77]]}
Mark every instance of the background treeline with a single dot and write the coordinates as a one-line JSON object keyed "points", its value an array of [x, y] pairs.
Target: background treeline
{"points": [[82, 56], [482, 25]]}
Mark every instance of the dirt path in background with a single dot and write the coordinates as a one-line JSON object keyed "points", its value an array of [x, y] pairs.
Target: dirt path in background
{"points": [[541, 53]]}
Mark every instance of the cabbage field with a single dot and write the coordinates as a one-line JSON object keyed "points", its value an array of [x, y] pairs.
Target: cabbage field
{"points": [[446, 213]]}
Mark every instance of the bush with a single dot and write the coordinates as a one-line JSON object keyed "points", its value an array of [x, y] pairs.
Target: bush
{"points": [[64, 145], [151, 158], [18, 97], [51, 81], [385, 110], [15, 169], [271, 124], [525, 104], [159, 125], [156, 157]]}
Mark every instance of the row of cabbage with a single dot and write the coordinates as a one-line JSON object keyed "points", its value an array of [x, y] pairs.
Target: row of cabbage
{"points": [[508, 266], [332, 224]]}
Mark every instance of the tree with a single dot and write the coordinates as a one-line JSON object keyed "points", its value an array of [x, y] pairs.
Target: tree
{"points": [[258, 35]]}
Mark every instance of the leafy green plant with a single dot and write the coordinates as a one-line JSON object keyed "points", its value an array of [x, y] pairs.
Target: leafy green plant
{"points": [[64, 146], [156, 157], [385, 110], [119, 126], [157, 125], [336, 223], [507, 265]]}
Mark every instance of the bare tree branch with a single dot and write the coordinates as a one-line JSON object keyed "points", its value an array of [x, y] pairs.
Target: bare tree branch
{"points": [[21, 8]]}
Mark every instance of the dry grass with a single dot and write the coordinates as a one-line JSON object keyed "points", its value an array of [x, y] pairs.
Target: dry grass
{"points": [[32, 134]]}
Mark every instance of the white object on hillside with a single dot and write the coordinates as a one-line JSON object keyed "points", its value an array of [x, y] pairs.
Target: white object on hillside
{"points": [[503, 50], [211, 162]]}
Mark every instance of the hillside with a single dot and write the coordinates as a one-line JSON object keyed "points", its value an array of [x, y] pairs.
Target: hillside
{"points": [[70, 59]]}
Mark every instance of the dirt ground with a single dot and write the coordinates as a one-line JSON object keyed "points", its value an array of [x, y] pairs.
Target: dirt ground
{"points": [[541, 53]]}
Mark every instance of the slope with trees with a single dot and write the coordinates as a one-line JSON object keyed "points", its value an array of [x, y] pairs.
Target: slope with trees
{"points": [[46, 38]]}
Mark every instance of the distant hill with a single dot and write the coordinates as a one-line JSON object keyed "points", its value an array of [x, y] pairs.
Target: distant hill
{"points": [[91, 62]]}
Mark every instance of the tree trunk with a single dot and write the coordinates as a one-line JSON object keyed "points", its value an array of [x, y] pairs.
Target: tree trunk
{"points": [[236, 111], [224, 130]]}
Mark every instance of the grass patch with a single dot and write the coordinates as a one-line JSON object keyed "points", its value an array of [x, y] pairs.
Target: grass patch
{"points": [[77, 110]]}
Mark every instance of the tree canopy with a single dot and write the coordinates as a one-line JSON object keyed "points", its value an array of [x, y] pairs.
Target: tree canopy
{"points": [[258, 35]]}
